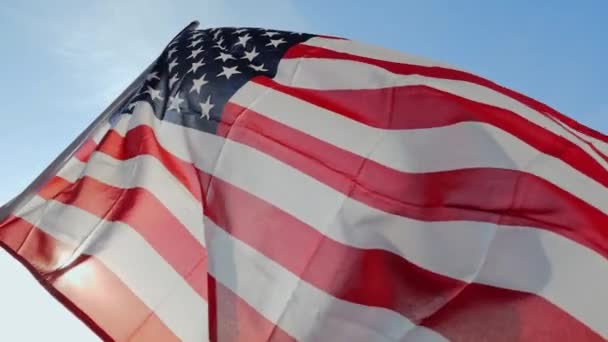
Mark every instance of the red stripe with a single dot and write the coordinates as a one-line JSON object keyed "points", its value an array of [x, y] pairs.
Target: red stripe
{"points": [[583, 139], [232, 319], [412, 107], [367, 277], [482, 313], [142, 140], [572, 123], [84, 152], [86, 287], [490, 195], [301, 50], [146, 215]]}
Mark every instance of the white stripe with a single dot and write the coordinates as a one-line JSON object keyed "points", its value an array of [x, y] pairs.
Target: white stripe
{"points": [[600, 145], [144, 172], [304, 73], [369, 51], [457, 249], [366, 50], [597, 143], [72, 170], [301, 310], [459, 146], [98, 135], [130, 258]]}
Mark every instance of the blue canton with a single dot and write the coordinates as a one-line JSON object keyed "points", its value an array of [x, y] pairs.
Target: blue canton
{"points": [[200, 70]]}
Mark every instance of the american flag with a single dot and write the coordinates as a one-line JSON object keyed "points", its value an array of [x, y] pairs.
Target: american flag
{"points": [[264, 185]]}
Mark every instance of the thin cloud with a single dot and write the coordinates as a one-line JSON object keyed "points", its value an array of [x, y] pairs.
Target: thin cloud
{"points": [[103, 46]]}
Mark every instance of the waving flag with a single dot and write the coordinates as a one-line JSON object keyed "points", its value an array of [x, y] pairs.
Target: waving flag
{"points": [[259, 185]]}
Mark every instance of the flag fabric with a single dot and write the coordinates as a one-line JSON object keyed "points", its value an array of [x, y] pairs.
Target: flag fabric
{"points": [[277, 186]]}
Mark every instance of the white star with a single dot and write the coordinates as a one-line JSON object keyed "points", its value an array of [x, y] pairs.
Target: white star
{"points": [[171, 52], [257, 68], [152, 75], [276, 42], [195, 43], [154, 93], [195, 66], [195, 53], [173, 64], [219, 44], [206, 108], [250, 55], [174, 102], [228, 72], [239, 31], [270, 34], [224, 57], [243, 40], [196, 35], [172, 81], [198, 83]]}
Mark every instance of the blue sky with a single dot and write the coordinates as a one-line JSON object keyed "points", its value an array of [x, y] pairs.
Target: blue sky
{"points": [[63, 61]]}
